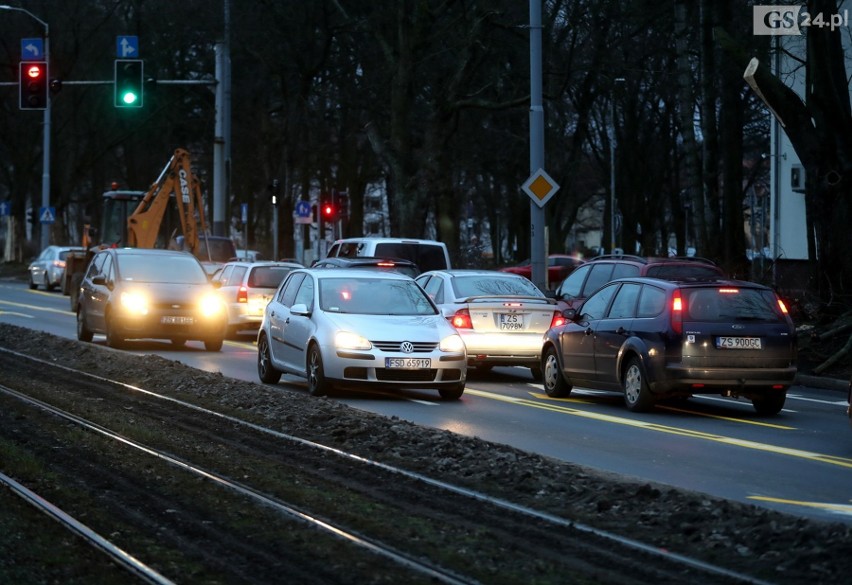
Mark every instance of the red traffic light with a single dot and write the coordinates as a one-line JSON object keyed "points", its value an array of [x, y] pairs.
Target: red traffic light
{"points": [[34, 71], [327, 210], [33, 85]]}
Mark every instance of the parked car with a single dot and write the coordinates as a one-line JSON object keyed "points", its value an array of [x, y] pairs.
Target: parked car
{"points": [[49, 268], [351, 328], [427, 254], [134, 293], [500, 316], [406, 267], [652, 339], [559, 266], [598, 271], [246, 287]]}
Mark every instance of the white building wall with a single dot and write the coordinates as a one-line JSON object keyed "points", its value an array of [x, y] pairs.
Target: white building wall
{"points": [[788, 237]]}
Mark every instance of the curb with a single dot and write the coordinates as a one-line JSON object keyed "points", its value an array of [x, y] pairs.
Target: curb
{"points": [[824, 383]]}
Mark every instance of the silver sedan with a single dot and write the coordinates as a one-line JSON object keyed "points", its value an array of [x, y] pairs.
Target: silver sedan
{"points": [[49, 268], [352, 328], [501, 317]]}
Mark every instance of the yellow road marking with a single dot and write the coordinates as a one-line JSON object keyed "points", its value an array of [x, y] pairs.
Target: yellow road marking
{"points": [[652, 426], [842, 508]]}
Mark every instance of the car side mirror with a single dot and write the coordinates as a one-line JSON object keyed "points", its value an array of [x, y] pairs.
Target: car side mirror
{"points": [[99, 279], [570, 314], [300, 309]]}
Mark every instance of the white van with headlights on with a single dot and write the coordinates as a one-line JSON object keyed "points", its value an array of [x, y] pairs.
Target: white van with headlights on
{"points": [[427, 254]]}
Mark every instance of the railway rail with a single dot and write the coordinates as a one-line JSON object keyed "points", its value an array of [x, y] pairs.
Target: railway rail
{"points": [[199, 494]]}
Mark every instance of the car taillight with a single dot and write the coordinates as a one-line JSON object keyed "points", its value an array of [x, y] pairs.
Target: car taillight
{"points": [[558, 320], [461, 319], [59, 263], [242, 295], [782, 306], [677, 313]]}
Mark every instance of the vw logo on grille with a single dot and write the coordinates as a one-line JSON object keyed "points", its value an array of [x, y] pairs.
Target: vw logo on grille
{"points": [[406, 347]]}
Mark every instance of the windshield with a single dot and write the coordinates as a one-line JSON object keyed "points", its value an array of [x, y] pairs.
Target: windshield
{"points": [[156, 268], [725, 304], [373, 296], [267, 276], [493, 285]]}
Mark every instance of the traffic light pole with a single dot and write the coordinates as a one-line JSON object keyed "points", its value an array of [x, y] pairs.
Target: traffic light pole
{"points": [[45, 177]]}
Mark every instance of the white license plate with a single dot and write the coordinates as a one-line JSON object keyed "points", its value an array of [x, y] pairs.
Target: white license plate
{"points": [[738, 343], [511, 322], [408, 363], [173, 320]]}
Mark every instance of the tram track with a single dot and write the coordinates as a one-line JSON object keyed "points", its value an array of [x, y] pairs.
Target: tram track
{"points": [[434, 518]]}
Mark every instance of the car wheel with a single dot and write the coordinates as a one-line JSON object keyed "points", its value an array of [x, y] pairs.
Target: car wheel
{"points": [[178, 341], [213, 344], [318, 385], [637, 394], [770, 402], [452, 392], [113, 333], [483, 368], [537, 374], [33, 285], [47, 285], [83, 332], [265, 370], [555, 385]]}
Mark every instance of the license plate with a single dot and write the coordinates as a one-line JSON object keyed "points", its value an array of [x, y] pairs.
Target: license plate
{"points": [[511, 322], [408, 363], [738, 343], [173, 320]]}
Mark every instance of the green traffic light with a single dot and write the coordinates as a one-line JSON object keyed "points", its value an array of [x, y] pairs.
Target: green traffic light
{"points": [[128, 83]]}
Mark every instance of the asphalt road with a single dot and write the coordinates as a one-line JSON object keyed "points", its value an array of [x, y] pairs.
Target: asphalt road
{"points": [[798, 462]]}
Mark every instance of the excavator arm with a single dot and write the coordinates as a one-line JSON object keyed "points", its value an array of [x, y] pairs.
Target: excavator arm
{"points": [[143, 225]]}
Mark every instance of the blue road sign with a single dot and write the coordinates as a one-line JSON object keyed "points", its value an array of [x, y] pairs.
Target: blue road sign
{"points": [[32, 49], [127, 47], [5, 208], [303, 209], [47, 214]]}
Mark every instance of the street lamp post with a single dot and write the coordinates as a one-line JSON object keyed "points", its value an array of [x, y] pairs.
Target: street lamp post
{"points": [[45, 177], [617, 80]]}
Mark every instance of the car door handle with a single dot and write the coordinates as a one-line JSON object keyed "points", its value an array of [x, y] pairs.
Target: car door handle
{"points": [[588, 331], [621, 331]]}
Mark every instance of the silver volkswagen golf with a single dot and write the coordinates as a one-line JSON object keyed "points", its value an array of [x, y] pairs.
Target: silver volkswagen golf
{"points": [[354, 328]]}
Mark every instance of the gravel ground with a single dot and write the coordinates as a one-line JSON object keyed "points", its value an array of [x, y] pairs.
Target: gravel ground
{"points": [[778, 547]]}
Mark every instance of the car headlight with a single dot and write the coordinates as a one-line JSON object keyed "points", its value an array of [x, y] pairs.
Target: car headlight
{"points": [[210, 305], [452, 344], [347, 340], [134, 302]]}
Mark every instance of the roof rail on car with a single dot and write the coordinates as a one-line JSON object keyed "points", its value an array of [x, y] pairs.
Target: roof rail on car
{"points": [[698, 259], [621, 257]]}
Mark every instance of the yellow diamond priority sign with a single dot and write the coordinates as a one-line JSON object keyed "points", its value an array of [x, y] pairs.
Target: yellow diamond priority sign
{"points": [[540, 187]]}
